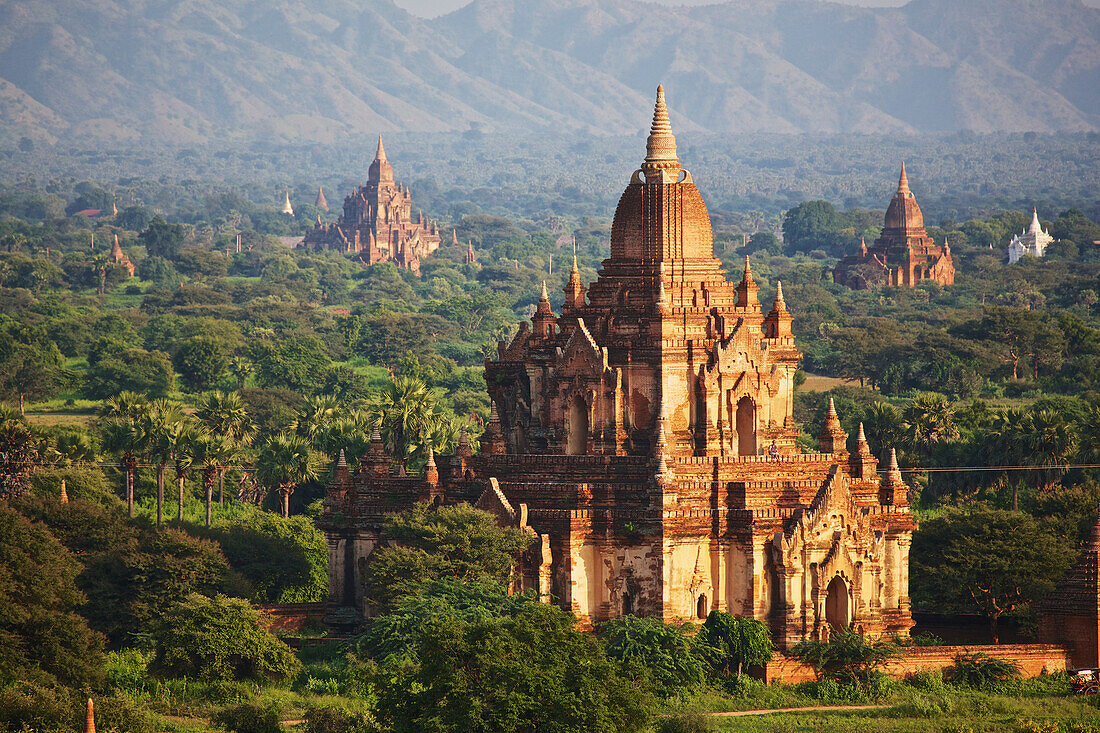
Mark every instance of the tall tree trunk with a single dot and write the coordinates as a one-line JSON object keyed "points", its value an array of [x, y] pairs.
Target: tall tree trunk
{"points": [[285, 495], [160, 494], [221, 487], [208, 482], [1015, 498], [994, 634], [179, 515], [22, 405], [102, 282], [130, 489]]}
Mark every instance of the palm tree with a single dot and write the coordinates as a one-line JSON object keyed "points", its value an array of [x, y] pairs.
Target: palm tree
{"points": [[315, 417], [284, 462], [126, 405], [1003, 447], [1049, 441], [408, 412], [929, 418], [884, 426], [225, 413], [241, 368], [120, 416], [100, 264], [185, 437], [157, 427], [211, 453], [124, 438], [1088, 433]]}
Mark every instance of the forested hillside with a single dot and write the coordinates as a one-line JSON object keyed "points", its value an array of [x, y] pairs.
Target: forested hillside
{"points": [[321, 70]]}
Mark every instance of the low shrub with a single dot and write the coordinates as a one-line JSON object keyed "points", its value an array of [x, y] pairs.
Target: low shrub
{"points": [[686, 723], [337, 720], [250, 718], [220, 639], [28, 707], [980, 670], [846, 658], [929, 680]]}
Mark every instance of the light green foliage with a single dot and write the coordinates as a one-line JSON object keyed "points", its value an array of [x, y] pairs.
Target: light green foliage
{"points": [[220, 638], [650, 647], [733, 643]]}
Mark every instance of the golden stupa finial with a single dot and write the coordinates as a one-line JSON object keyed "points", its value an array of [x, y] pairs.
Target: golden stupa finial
{"points": [[660, 147]]}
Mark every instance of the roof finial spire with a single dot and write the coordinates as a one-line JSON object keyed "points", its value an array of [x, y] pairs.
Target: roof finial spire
{"points": [[903, 181], [380, 154], [660, 147], [545, 295]]}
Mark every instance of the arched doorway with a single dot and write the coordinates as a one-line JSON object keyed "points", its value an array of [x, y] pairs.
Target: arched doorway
{"points": [[746, 427], [837, 610], [628, 604], [702, 608], [576, 438]]}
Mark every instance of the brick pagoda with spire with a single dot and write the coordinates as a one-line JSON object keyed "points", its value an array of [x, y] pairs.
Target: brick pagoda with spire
{"points": [[903, 255], [644, 438], [378, 222]]}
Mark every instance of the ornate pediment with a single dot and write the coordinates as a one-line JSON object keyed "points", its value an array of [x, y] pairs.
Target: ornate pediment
{"points": [[581, 354]]}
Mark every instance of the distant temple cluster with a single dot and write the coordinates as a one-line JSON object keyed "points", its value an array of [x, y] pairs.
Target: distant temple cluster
{"points": [[903, 256], [377, 223], [1032, 241], [645, 439]]}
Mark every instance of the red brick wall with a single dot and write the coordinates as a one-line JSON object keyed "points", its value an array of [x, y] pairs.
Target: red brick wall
{"points": [[291, 618], [1031, 658]]}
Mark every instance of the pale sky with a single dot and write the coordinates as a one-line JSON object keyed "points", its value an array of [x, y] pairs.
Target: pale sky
{"points": [[432, 8]]}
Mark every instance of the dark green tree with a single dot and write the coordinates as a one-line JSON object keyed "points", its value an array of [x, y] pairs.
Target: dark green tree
{"points": [[650, 647], [201, 362], [162, 239], [735, 642], [220, 638], [449, 542], [530, 671], [986, 560], [42, 637]]}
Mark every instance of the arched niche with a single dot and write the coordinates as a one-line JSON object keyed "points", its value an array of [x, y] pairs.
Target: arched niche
{"points": [[745, 420], [838, 613], [576, 427]]}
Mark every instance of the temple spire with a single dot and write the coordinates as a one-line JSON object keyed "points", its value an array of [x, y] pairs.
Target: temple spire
{"points": [[903, 181], [660, 147], [380, 154], [1035, 227], [747, 289]]}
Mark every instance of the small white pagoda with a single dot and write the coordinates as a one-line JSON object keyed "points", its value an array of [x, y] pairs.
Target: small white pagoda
{"points": [[1032, 241]]}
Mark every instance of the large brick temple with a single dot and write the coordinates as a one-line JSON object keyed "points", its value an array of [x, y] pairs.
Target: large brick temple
{"points": [[644, 438], [378, 223], [904, 255]]}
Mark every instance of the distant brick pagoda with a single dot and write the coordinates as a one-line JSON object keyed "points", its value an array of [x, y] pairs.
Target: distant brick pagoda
{"points": [[903, 255], [645, 438], [377, 223]]}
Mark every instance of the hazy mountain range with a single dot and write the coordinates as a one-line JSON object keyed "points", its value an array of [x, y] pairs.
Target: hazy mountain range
{"points": [[113, 71]]}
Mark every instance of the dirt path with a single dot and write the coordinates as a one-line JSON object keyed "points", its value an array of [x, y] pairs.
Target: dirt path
{"points": [[811, 709]]}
